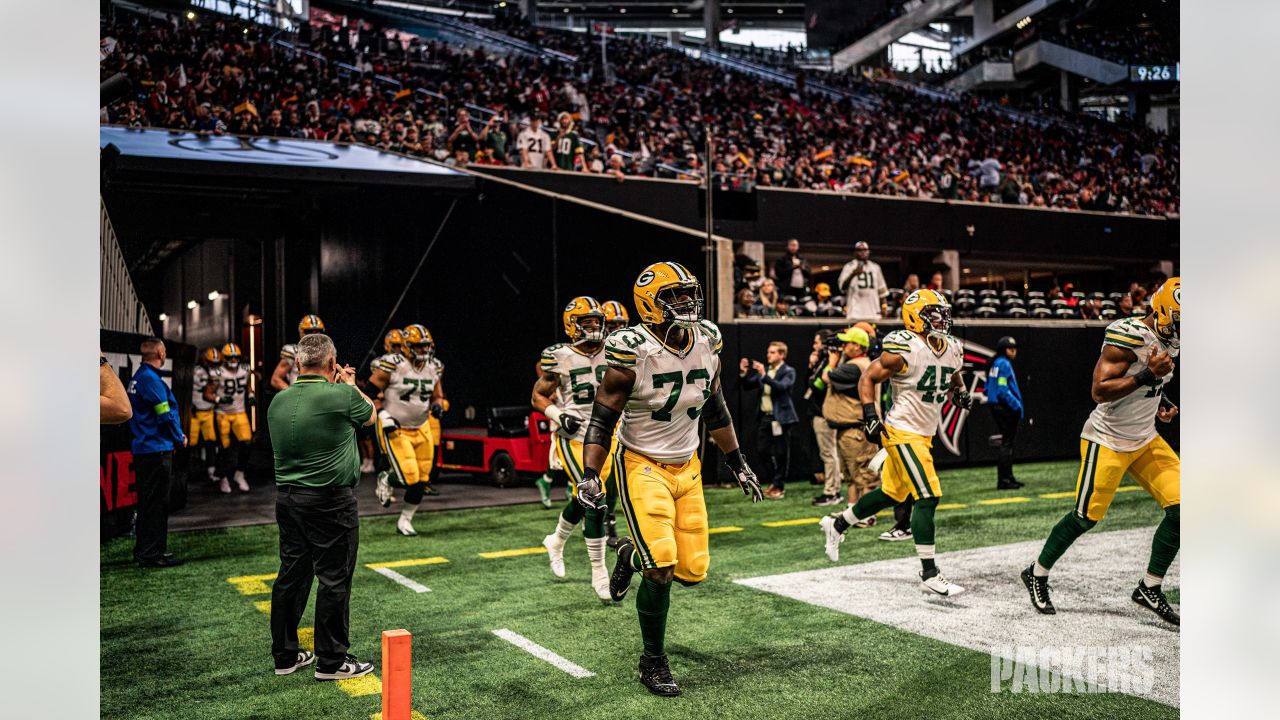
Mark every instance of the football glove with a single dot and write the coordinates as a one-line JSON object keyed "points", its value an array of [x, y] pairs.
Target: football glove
{"points": [[437, 410], [962, 399], [590, 491], [871, 425], [746, 478], [570, 424]]}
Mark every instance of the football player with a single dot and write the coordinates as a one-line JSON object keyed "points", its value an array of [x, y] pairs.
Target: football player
{"points": [[923, 364], [408, 383], [662, 376], [202, 434], [615, 316], [287, 369], [439, 407], [564, 392], [231, 413], [1120, 436]]}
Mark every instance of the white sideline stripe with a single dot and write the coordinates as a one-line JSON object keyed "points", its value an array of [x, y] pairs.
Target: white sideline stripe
{"points": [[397, 577], [542, 653]]}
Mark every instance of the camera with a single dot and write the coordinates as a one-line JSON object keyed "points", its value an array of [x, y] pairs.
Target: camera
{"points": [[833, 343]]}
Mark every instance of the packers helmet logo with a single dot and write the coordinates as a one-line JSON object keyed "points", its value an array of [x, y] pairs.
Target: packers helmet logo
{"points": [[913, 297], [1177, 295], [571, 306], [645, 278]]}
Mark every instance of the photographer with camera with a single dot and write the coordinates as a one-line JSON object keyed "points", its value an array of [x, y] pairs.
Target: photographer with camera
{"points": [[824, 343], [846, 361]]}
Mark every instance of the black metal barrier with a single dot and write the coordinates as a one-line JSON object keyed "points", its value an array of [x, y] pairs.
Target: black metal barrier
{"points": [[827, 218], [1054, 370]]}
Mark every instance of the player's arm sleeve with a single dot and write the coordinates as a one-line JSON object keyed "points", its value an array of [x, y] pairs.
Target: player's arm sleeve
{"points": [[618, 354], [548, 362], [1121, 337], [896, 344]]}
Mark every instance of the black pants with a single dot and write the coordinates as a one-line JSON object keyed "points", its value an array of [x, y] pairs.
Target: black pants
{"points": [[1007, 420], [319, 536], [775, 450], [153, 473]]}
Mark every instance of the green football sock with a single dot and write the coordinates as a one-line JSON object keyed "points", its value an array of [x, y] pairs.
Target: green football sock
{"points": [[1064, 533], [594, 525], [872, 503], [922, 521], [1164, 547], [573, 512], [652, 601]]}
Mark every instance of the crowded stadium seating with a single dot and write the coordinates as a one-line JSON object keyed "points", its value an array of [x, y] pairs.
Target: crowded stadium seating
{"points": [[221, 75]]}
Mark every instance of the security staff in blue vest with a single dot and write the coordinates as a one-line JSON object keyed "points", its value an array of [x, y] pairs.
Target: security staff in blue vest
{"points": [[157, 430], [1005, 402]]}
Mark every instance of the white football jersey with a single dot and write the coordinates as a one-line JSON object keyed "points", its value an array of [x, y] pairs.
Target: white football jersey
{"points": [[233, 384], [580, 375], [1129, 423], [408, 394], [924, 385], [661, 416], [290, 352], [864, 290], [200, 378]]}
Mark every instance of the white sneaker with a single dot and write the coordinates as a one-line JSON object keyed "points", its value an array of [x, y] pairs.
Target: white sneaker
{"points": [[555, 554], [896, 535], [600, 581], [304, 659], [366, 465], [834, 538], [405, 527], [941, 585], [382, 490], [224, 486], [350, 668], [241, 482]]}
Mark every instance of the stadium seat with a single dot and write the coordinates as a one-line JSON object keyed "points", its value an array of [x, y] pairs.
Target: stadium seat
{"points": [[987, 293], [1041, 312], [1015, 311], [1065, 313], [1037, 301], [1010, 294], [1108, 313], [964, 306], [986, 311]]}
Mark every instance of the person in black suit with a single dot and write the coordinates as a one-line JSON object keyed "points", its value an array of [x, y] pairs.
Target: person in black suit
{"points": [[777, 411]]}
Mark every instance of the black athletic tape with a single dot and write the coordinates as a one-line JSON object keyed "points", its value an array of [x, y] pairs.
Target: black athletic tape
{"points": [[716, 411], [735, 460], [600, 427]]}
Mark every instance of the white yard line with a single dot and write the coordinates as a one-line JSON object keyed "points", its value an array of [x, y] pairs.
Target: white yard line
{"points": [[1091, 585], [397, 577], [542, 653]]}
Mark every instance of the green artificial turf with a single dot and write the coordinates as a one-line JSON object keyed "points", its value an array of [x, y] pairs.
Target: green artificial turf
{"points": [[184, 643]]}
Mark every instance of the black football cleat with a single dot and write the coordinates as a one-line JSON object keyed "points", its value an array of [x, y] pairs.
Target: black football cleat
{"points": [[655, 674], [1038, 587], [1153, 599], [620, 580]]}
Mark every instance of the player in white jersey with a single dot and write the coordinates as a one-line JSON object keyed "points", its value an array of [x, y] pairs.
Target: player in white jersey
{"points": [[922, 363], [231, 413], [862, 282], [615, 318], [286, 371], [1120, 436], [409, 384], [202, 434], [564, 391], [662, 376]]}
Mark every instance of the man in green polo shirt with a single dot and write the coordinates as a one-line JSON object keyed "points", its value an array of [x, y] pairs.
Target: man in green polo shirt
{"points": [[313, 432]]}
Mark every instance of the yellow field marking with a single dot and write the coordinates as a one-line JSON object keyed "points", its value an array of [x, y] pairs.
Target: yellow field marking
{"points": [[252, 584], [364, 685], [307, 638], [513, 553], [1057, 496], [725, 529], [951, 506], [785, 523], [264, 606], [413, 715], [408, 563], [1004, 500]]}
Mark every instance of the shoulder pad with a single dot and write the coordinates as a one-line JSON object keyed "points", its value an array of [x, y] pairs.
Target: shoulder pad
{"points": [[712, 334], [897, 342], [549, 362], [1123, 334], [623, 348]]}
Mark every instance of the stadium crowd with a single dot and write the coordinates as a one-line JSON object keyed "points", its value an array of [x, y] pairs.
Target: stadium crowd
{"points": [[219, 75]]}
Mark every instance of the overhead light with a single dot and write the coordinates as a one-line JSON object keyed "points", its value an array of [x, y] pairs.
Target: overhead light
{"points": [[730, 11], [192, 304], [674, 11], [566, 10], [622, 10], [246, 31], [966, 271], [214, 295], [191, 15], [1024, 22], [502, 4], [779, 11], [163, 317]]}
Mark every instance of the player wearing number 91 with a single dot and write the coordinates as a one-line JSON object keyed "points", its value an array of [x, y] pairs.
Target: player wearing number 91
{"points": [[662, 376], [1120, 436], [923, 365], [410, 385], [568, 377]]}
